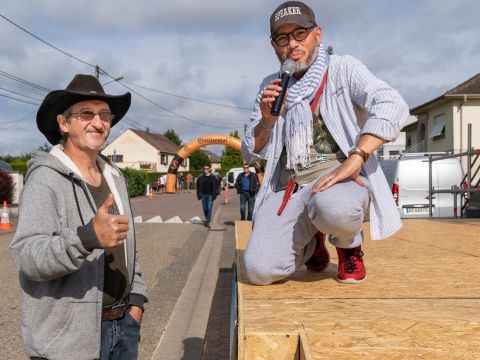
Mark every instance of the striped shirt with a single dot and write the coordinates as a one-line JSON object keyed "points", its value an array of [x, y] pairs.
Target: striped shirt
{"points": [[354, 102]]}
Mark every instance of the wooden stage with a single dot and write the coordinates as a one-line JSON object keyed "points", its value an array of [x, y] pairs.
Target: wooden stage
{"points": [[421, 301]]}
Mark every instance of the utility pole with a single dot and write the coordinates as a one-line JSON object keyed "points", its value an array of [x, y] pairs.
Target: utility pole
{"points": [[97, 71]]}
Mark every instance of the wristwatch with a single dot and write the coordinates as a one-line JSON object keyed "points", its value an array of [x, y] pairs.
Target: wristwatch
{"points": [[356, 150]]}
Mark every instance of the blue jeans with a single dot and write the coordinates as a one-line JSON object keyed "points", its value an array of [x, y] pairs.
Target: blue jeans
{"points": [[246, 200], [120, 338], [207, 203]]}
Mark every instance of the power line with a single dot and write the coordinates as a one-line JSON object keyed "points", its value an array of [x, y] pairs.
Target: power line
{"points": [[45, 42], [188, 98], [20, 94], [215, 121], [20, 100], [23, 81], [103, 72], [139, 126], [16, 122], [168, 110]]}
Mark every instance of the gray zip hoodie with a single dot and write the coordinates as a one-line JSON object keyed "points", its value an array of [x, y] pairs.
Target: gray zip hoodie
{"points": [[56, 253]]}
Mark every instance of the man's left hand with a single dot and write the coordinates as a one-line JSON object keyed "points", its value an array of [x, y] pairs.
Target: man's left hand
{"points": [[136, 312], [349, 169]]}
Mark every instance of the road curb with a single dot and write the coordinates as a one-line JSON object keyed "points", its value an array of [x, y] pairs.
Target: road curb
{"points": [[186, 328]]}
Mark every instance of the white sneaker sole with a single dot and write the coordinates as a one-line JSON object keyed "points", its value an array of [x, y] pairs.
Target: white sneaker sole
{"points": [[351, 281]]}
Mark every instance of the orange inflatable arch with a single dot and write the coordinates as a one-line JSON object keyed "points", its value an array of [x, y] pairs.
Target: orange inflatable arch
{"points": [[213, 139]]}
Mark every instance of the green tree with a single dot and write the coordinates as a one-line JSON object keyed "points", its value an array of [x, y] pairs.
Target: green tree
{"points": [[173, 136], [18, 163], [197, 159], [231, 158]]}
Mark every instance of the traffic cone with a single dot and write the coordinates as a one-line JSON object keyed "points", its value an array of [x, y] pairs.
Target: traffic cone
{"points": [[5, 223]]}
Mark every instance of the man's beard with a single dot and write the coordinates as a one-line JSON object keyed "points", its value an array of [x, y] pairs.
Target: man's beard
{"points": [[302, 66]]}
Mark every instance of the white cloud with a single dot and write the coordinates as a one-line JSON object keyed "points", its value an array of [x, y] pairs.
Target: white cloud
{"points": [[219, 52]]}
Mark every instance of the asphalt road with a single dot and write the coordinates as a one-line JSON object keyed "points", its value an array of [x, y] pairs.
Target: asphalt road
{"points": [[167, 252]]}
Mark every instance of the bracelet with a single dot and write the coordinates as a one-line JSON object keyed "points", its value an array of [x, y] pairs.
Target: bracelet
{"points": [[358, 151], [262, 125]]}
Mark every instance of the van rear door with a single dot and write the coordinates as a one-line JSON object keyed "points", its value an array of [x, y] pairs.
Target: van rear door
{"points": [[446, 173], [413, 188]]}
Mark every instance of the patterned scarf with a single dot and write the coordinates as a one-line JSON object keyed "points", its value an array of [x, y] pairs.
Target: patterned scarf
{"points": [[298, 115]]}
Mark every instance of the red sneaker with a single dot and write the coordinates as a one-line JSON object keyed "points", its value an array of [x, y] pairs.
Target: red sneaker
{"points": [[320, 257], [351, 269]]}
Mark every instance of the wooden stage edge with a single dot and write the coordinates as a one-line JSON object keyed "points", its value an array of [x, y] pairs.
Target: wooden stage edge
{"points": [[421, 300]]}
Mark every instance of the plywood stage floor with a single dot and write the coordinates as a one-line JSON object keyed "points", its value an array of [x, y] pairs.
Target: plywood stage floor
{"points": [[421, 301]]}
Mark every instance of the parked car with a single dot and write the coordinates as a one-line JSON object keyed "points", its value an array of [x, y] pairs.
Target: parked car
{"points": [[408, 175]]}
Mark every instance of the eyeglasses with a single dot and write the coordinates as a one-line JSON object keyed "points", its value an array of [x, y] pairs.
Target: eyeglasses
{"points": [[86, 115], [298, 34], [206, 168]]}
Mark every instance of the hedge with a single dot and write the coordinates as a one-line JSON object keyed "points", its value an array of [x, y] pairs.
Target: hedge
{"points": [[136, 181]]}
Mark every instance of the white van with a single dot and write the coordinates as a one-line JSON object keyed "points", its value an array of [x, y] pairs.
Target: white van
{"points": [[408, 179], [233, 174]]}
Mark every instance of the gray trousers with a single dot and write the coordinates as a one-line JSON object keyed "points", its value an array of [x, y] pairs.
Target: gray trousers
{"points": [[279, 245]]}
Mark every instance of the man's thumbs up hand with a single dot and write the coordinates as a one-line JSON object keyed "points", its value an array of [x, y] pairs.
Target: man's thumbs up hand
{"points": [[111, 230]]}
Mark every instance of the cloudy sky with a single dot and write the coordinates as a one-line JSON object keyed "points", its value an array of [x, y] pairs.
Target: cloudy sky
{"points": [[195, 66]]}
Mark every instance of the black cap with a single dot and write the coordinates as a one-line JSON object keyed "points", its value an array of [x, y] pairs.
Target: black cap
{"points": [[292, 12]]}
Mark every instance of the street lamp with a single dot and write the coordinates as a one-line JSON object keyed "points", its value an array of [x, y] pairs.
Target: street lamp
{"points": [[116, 79]]}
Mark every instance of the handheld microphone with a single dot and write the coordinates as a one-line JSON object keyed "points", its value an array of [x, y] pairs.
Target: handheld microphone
{"points": [[287, 70]]}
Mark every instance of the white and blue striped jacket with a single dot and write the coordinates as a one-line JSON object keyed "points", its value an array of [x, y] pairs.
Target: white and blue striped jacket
{"points": [[354, 102]]}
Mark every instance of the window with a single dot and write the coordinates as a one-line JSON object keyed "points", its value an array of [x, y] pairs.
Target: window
{"points": [[163, 159], [117, 158], [145, 166], [438, 130]]}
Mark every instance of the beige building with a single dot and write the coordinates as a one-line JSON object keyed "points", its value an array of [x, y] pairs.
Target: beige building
{"points": [[143, 150], [442, 122], [215, 160]]}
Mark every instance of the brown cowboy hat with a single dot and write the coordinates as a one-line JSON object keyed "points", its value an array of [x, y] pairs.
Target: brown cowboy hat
{"points": [[81, 88]]}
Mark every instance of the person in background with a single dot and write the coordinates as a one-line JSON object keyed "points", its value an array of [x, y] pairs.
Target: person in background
{"points": [[247, 186], [207, 192], [218, 179], [189, 181], [179, 183], [74, 248], [163, 181], [322, 175], [225, 190]]}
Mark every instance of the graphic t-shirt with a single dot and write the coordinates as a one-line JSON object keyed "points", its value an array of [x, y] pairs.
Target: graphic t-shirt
{"points": [[323, 154]]}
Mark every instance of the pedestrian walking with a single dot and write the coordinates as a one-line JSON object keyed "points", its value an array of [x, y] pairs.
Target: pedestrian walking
{"points": [[247, 187], [207, 192]]}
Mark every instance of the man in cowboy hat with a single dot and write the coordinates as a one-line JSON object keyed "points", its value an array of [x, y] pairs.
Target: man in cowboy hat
{"points": [[74, 248], [321, 146]]}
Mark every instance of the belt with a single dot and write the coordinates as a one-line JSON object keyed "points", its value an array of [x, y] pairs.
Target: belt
{"points": [[113, 313]]}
